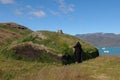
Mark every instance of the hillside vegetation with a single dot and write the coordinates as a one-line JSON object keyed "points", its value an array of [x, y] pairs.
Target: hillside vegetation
{"points": [[19, 42], [47, 46]]}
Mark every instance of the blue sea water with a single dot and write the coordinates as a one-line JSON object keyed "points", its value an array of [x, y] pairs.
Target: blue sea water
{"points": [[109, 50]]}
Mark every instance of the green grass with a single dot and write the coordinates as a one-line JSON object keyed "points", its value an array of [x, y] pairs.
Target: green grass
{"points": [[101, 68], [58, 42]]}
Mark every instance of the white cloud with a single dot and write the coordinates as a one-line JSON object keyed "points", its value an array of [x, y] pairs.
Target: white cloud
{"points": [[7, 1], [60, 1], [18, 12], [38, 13], [66, 8], [54, 13], [28, 6]]}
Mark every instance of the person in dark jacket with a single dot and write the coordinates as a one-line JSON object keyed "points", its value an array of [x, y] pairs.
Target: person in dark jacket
{"points": [[78, 52]]}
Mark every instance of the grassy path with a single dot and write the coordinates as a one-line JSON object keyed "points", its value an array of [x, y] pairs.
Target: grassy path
{"points": [[101, 68]]}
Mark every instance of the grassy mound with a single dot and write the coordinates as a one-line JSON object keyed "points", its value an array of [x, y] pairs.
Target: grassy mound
{"points": [[30, 51], [55, 47]]}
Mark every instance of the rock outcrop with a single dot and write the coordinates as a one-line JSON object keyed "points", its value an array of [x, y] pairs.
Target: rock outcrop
{"points": [[60, 31], [14, 25]]}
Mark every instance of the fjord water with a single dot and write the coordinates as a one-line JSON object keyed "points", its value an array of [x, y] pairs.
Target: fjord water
{"points": [[109, 50]]}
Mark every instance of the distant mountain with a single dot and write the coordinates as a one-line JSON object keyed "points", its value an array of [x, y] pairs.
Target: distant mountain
{"points": [[101, 39]]}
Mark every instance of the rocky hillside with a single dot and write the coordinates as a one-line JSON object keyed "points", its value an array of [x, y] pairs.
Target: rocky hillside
{"points": [[101, 39]]}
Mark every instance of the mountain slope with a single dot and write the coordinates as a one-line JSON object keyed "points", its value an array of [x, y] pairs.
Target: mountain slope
{"points": [[11, 31], [101, 39], [47, 46]]}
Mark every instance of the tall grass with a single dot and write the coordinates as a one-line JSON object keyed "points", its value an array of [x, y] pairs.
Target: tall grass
{"points": [[101, 68]]}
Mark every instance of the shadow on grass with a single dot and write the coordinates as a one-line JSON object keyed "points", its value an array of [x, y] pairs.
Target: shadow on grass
{"points": [[69, 59]]}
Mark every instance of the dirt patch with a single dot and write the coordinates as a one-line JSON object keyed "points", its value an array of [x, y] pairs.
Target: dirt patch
{"points": [[7, 32], [1, 36]]}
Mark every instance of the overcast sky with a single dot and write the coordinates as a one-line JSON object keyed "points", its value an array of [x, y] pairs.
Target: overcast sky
{"points": [[72, 16]]}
